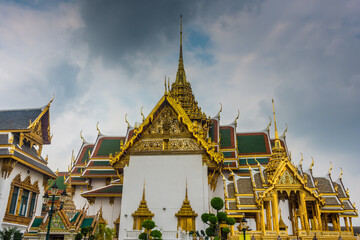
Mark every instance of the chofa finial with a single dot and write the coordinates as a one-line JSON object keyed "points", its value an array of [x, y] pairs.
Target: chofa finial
{"points": [[97, 128]]}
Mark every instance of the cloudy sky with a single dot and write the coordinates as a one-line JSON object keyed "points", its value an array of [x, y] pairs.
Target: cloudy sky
{"points": [[105, 59]]}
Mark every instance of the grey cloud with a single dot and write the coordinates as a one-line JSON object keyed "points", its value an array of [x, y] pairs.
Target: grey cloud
{"points": [[121, 31]]}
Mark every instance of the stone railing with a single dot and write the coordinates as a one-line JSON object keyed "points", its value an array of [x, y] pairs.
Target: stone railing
{"points": [[133, 234]]}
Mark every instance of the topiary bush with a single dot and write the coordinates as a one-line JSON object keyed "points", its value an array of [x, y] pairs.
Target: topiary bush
{"points": [[148, 233], [214, 221]]}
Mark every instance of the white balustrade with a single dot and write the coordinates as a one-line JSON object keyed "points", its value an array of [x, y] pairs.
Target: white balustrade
{"points": [[133, 234]]}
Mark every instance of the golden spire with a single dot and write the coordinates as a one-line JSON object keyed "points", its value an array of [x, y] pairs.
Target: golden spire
{"points": [[186, 209], [143, 210], [277, 144], [182, 92], [181, 60]]}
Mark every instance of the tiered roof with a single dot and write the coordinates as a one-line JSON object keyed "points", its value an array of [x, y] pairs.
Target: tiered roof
{"points": [[22, 136]]}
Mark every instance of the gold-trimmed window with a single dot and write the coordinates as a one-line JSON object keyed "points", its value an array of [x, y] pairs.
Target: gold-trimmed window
{"points": [[22, 200]]}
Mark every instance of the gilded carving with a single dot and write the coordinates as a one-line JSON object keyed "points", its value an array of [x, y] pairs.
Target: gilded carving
{"points": [[165, 144], [287, 179], [6, 167], [148, 145], [183, 144], [166, 123]]}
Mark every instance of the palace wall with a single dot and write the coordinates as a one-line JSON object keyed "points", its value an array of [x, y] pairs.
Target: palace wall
{"points": [[165, 179], [5, 187]]}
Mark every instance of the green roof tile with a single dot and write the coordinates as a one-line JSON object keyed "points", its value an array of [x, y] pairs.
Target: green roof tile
{"points": [[227, 154], [108, 146], [37, 222], [87, 222], [100, 172], [59, 182], [101, 163], [225, 140], [252, 161], [75, 217], [86, 154], [112, 189], [251, 144]]}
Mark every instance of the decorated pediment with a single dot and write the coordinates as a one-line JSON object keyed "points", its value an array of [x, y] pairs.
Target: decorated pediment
{"points": [[166, 133], [167, 127], [166, 123], [287, 178]]}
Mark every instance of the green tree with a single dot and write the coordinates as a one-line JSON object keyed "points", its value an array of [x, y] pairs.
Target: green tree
{"points": [[10, 234], [214, 221], [148, 233], [109, 233]]}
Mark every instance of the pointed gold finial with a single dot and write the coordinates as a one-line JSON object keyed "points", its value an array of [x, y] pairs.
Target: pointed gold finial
{"points": [[312, 163], [47, 158], [277, 144], [331, 167], [268, 127], [72, 158], [169, 84], [301, 160], [143, 196], [97, 128], [341, 173], [51, 100], [165, 85], [283, 135], [57, 172], [220, 110], [186, 192], [128, 124], [237, 117], [143, 117], [180, 76], [81, 136]]}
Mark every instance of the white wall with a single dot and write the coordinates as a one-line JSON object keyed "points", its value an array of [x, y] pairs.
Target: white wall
{"points": [[110, 212], [165, 177], [5, 186], [79, 201]]}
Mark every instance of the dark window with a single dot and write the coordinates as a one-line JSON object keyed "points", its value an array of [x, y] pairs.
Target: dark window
{"points": [[14, 200], [24, 202], [32, 204]]}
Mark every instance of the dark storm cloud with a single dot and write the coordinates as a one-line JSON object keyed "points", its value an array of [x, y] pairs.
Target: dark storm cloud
{"points": [[121, 31]]}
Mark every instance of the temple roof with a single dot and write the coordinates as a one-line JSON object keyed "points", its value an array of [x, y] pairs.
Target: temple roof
{"points": [[18, 119]]}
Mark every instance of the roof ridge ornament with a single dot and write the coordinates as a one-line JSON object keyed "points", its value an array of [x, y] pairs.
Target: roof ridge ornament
{"points": [[301, 160], [268, 126], [312, 163], [283, 135], [82, 137], [97, 128], [341, 173], [128, 124], [331, 167], [141, 112]]}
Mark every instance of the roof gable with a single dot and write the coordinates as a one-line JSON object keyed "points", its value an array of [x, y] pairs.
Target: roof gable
{"points": [[193, 129]]}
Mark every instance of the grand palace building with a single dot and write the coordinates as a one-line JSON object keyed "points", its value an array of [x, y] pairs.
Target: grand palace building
{"points": [[167, 168]]}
